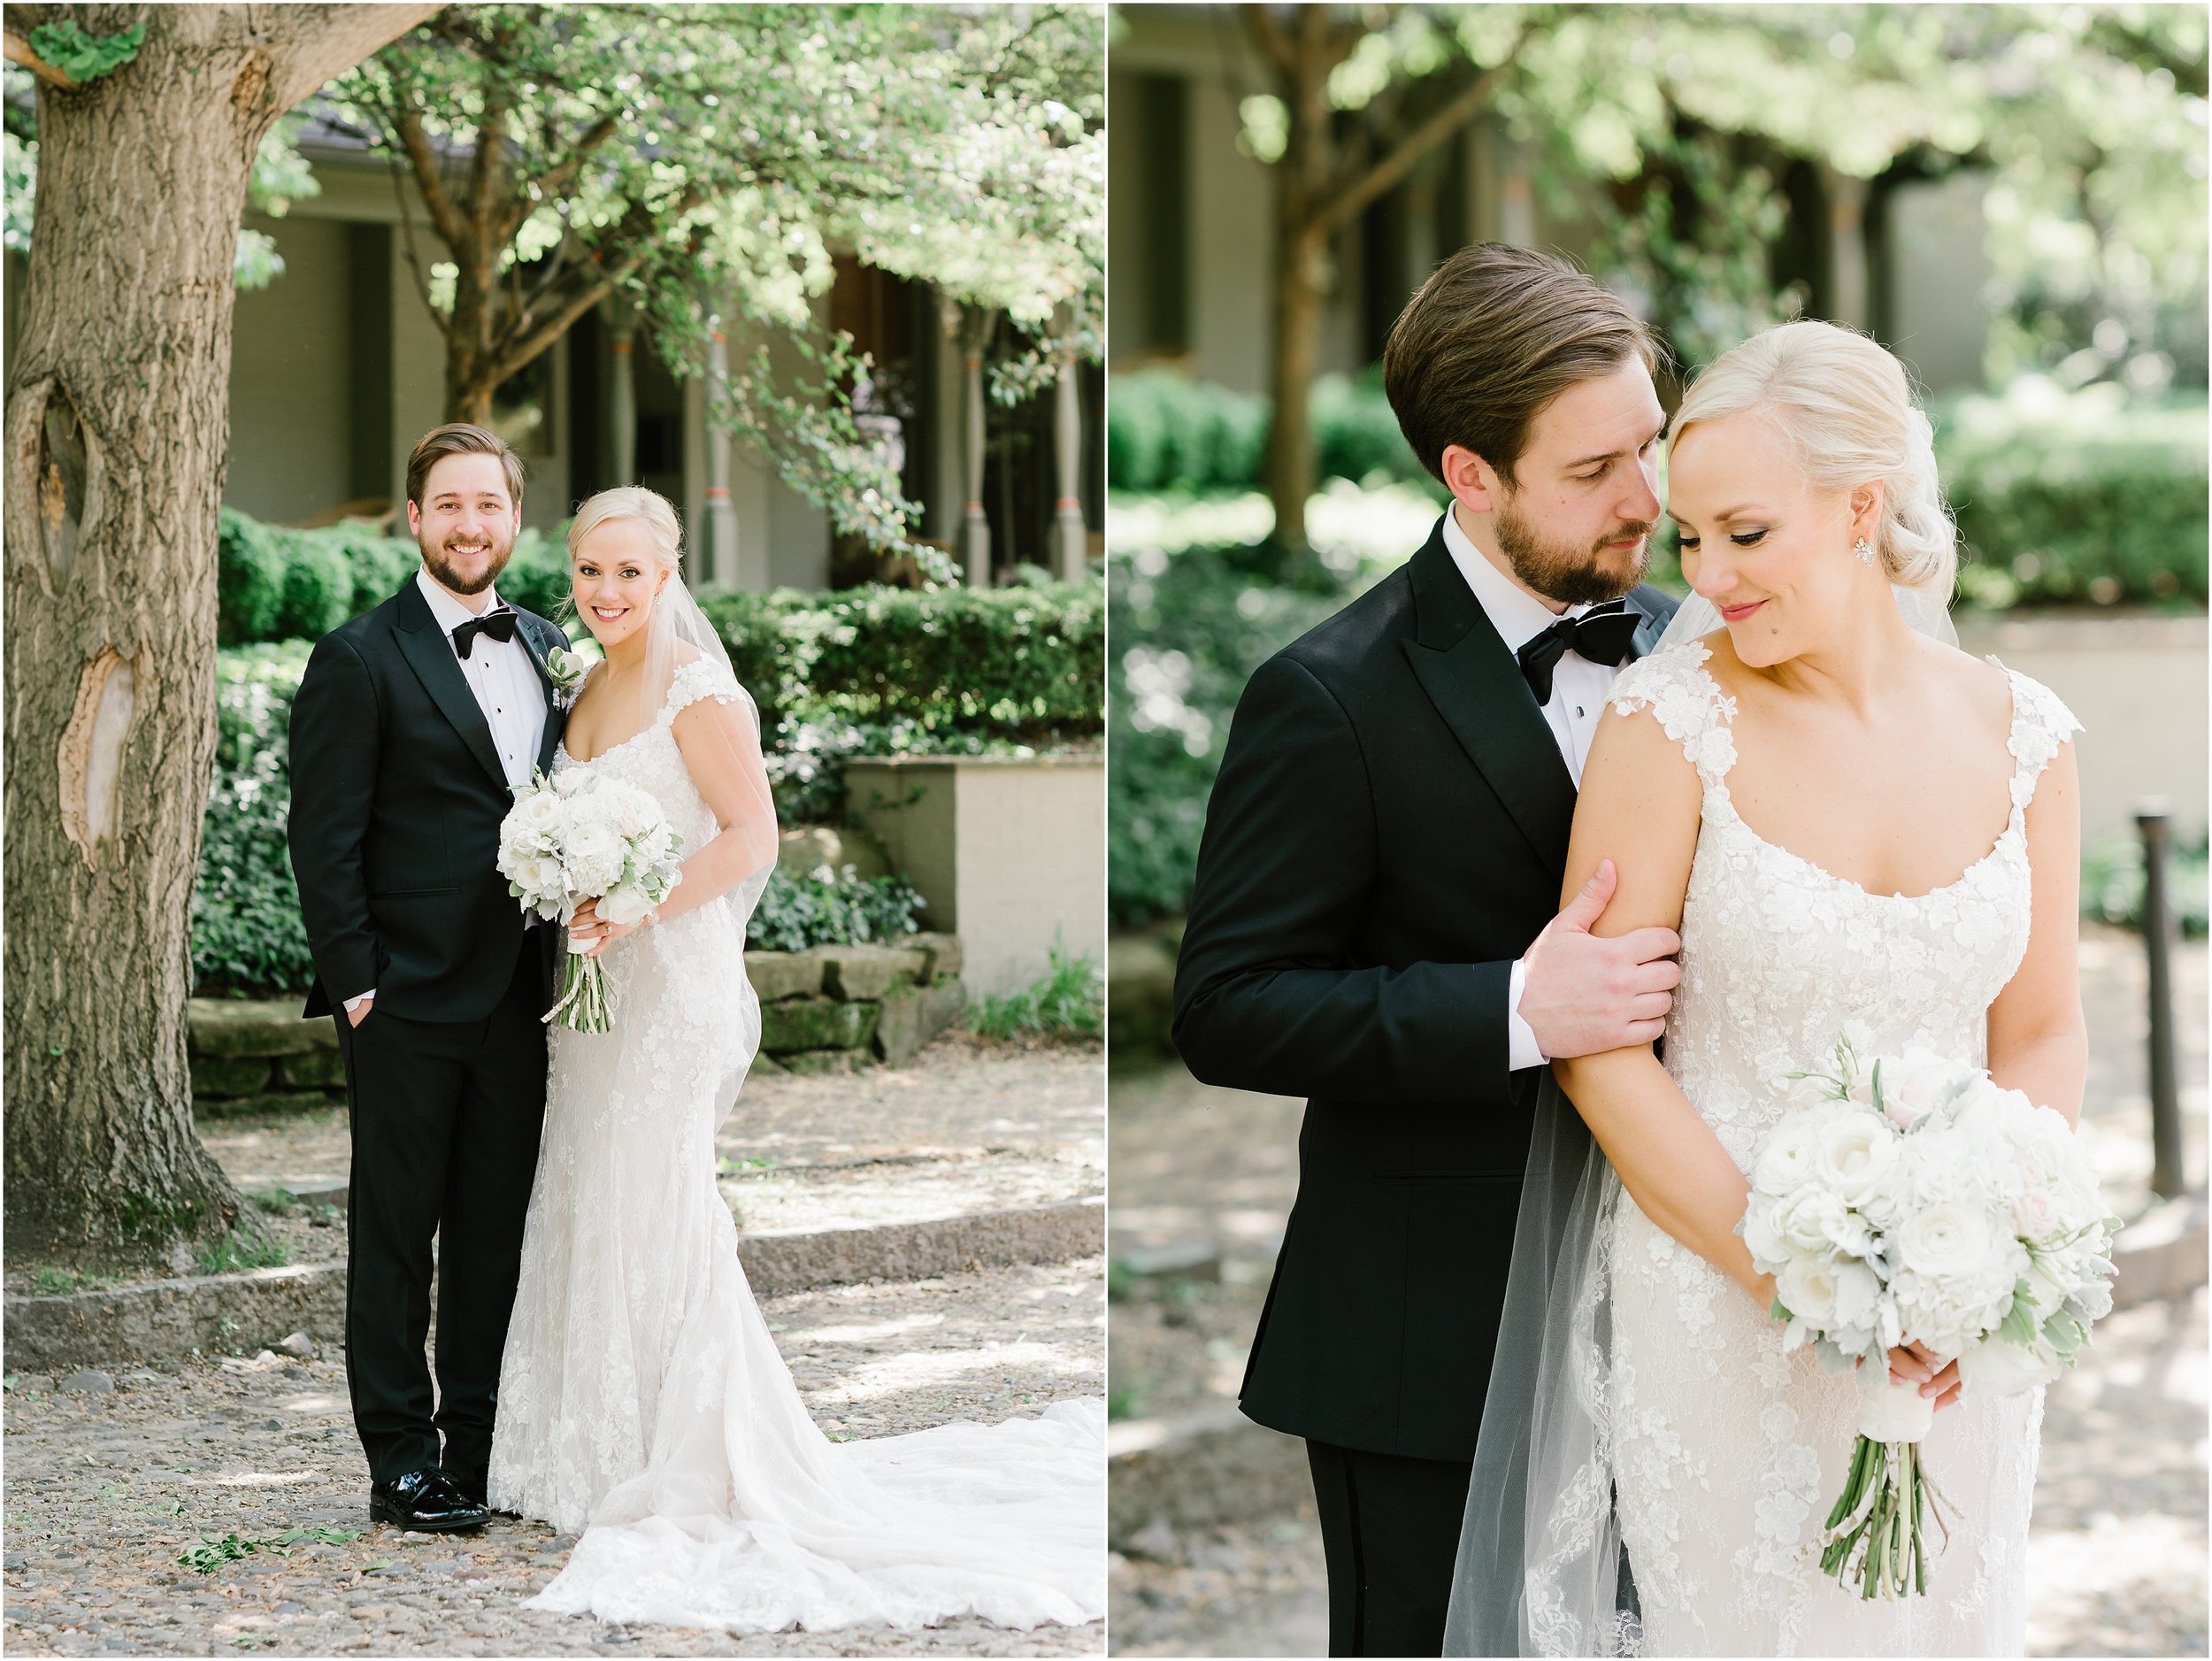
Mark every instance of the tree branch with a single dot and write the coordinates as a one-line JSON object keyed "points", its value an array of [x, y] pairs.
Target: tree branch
{"points": [[445, 217], [20, 52], [1259, 22], [312, 43], [407, 239], [1356, 194]]}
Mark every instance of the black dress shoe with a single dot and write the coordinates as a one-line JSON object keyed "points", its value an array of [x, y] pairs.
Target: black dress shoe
{"points": [[475, 1487], [425, 1502]]}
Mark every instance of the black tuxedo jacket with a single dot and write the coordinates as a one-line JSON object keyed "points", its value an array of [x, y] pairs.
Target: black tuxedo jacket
{"points": [[1387, 835], [397, 797]]}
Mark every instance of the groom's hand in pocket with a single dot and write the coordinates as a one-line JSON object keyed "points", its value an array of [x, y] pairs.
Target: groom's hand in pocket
{"points": [[1583, 996]]}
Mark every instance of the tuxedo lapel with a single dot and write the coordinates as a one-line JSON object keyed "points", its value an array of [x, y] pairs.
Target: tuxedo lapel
{"points": [[430, 655], [555, 716], [1656, 607], [1479, 689]]}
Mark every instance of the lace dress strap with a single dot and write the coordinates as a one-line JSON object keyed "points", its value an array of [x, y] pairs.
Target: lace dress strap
{"points": [[701, 678], [1690, 706], [2040, 724]]}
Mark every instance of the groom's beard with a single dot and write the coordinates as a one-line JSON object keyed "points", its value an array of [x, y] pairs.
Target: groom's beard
{"points": [[1573, 576], [502, 549]]}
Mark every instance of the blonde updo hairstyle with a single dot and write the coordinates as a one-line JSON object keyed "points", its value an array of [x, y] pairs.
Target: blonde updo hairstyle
{"points": [[649, 508], [1845, 408]]}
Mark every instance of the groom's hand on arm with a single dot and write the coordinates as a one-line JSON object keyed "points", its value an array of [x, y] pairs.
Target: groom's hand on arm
{"points": [[1581, 994]]}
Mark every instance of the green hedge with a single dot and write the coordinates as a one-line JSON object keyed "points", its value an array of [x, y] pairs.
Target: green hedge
{"points": [[2062, 499], [2071, 502], [1165, 432], [1189, 632], [273, 583]]}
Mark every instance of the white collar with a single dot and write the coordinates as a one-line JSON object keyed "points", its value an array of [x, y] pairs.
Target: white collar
{"points": [[449, 612], [1518, 616]]}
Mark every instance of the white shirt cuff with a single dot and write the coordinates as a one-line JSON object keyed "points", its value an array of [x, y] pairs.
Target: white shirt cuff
{"points": [[1521, 1048], [353, 1003]]}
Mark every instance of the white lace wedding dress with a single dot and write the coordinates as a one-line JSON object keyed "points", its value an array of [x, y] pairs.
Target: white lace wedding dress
{"points": [[641, 1392], [1726, 1453]]}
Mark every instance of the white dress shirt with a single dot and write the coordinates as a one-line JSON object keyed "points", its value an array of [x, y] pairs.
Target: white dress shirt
{"points": [[506, 686], [1579, 691]]}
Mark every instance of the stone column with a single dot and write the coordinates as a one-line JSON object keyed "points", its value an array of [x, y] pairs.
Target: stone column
{"points": [[720, 542], [622, 391], [1849, 276], [1072, 540], [975, 528]]}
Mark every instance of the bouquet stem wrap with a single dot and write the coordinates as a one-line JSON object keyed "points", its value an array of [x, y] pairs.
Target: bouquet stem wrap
{"points": [[583, 1006]]}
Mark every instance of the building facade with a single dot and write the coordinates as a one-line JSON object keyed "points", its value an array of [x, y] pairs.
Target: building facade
{"points": [[1195, 233], [338, 367]]}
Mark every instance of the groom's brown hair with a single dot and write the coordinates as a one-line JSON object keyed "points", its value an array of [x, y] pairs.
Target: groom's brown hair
{"points": [[460, 438], [1494, 335]]}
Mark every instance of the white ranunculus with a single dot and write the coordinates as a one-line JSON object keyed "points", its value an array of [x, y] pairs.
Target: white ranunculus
{"points": [[1790, 1153], [592, 855], [1856, 1152], [1762, 1239], [1947, 1242]]}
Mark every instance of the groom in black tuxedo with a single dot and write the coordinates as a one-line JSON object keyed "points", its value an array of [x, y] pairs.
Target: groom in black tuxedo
{"points": [[413, 726], [1373, 927]]}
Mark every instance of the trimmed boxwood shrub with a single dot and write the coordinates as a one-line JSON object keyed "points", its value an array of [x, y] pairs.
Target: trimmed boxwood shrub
{"points": [[273, 582], [1167, 432]]}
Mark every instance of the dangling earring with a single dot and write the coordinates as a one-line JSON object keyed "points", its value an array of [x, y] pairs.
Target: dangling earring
{"points": [[1865, 550]]}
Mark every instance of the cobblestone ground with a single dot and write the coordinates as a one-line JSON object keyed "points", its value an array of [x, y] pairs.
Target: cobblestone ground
{"points": [[106, 1489], [2119, 1540]]}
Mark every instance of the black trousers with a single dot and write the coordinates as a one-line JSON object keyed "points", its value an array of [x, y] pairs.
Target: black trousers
{"points": [[446, 1117], [1390, 1531]]}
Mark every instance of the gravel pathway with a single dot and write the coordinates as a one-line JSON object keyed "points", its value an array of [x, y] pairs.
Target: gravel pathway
{"points": [[107, 1487]]}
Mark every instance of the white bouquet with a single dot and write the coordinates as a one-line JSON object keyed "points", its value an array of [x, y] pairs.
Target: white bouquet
{"points": [[578, 836], [1911, 1198]]}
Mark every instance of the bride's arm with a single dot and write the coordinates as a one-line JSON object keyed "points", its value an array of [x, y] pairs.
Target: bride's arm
{"points": [[2039, 1043], [721, 750], [1641, 803]]}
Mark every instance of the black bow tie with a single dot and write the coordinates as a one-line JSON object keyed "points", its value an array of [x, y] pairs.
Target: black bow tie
{"points": [[1602, 635], [498, 623]]}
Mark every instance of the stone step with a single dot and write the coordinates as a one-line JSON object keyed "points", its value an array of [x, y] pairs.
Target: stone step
{"points": [[257, 1308]]}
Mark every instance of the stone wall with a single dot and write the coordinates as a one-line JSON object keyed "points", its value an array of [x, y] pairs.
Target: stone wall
{"points": [[829, 1009]]}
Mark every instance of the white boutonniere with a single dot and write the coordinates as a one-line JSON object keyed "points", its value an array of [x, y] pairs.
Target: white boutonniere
{"points": [[566, 668]]}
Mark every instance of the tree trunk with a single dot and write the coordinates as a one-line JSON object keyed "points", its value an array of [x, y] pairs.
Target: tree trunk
{"points": [[117, 429], [1300, 276]]}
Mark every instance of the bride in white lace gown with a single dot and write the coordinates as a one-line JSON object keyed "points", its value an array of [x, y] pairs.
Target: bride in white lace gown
{"points": [[641, 1392], [1861, 833]]}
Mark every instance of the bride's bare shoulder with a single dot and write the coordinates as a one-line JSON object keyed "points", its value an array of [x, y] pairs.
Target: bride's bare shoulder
{"points": [[1960, 682]]}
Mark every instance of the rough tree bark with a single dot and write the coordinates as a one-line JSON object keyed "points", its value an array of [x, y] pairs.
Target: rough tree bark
{"points": [[117, 429], [1333, 168]]}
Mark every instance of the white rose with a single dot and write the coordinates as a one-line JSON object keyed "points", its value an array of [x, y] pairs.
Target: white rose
{"points": [[1807, 1286], [2036, 1215], [624, 904], [1813, 1218], [1855, 1153], [1916, 1084], [2001, 1368]]}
